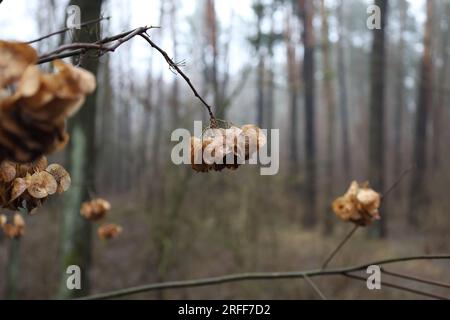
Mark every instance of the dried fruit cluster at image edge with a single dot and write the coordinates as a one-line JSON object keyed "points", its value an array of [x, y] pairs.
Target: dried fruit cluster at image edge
{"points": [[34, 105], [27, 186], [225, 148], [360, 205]]}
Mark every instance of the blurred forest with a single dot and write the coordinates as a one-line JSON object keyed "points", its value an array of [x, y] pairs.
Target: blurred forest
{"points": [[351, 104]]}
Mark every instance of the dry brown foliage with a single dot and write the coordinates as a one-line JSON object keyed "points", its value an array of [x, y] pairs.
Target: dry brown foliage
{"points": [[231, 146], [13, 229], [32, 117], [28, 185], [109, 231], [359, 205], [95, 209]]}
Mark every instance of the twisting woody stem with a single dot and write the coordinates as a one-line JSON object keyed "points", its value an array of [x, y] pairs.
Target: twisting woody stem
{"points": [[76, 49]]}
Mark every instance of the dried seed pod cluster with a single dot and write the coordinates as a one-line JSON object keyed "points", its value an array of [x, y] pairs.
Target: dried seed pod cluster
{"points": [[109, 231], [95, 210], [32, 118], [225, 148], [30, 184], [359, 205], [13, 229]]}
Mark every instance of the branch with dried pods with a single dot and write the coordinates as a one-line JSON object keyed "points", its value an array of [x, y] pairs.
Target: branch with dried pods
{"points": [[26, 178]]}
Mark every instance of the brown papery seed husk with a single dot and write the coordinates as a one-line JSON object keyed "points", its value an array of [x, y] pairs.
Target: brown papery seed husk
{"points": [[61, 176], [7, 171], [42, 185]]}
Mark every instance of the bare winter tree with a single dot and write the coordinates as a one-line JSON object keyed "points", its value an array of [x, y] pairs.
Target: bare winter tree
{"points": [[418, 193], [376, 108]]}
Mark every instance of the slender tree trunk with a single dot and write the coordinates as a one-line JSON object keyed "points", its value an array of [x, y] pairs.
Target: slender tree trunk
{"points": [[343, 95], [376, 111], [260, 72], [293, 97], [418, 192], [307, 14], [212, 42], [270, 86], [441, 96], [330, 106], [174, 99], [75, 246], [106, 145], [400, 90], [156, 180]]}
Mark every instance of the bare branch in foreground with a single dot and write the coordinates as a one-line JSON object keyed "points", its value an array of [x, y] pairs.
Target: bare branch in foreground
{"points": [[76, 49], [315, 287], [400, 287], [417, 279], [261, 276], [84, 24], [339, 246]]}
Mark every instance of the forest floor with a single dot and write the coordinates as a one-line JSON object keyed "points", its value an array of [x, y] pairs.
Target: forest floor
{"points": [[209, 250]]}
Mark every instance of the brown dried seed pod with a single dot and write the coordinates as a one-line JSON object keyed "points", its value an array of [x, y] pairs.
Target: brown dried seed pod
{"points": [[18, 220], [359, 205], [95, 209], [109, 231], [3, 220], [18, 187], [61, 176], [197, 148], [15, 57], [42, 184], [217, 149], [35, 115], [254, 139], [39, 164], [7, 171], [16, 228]]}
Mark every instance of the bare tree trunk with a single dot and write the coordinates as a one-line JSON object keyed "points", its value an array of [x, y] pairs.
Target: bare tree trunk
{"points": [[292, 66], [106, 145], [307, 14], [211, 24], [376, 110], [418, 192], [343, 96], [174, 99], [330, 106], [400, 90], [441, 96], [76, 231], [261, 66], [270, 86]]}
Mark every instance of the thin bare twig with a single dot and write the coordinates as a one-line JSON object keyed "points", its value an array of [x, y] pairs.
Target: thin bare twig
{"points": [[397, 182], [173, 65], [75, 46], [417, 279], [339, 246], [255, 276], [315, 287], [400, 287], [75, 49], [84, 24]]}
